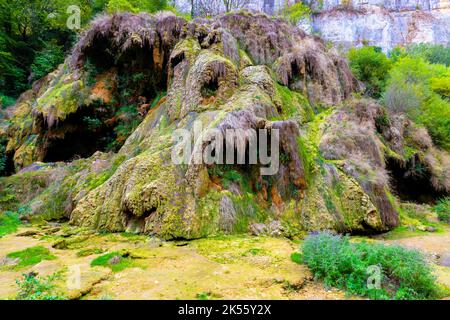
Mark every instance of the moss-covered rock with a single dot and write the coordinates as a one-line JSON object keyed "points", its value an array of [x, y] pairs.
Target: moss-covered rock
{"points": [[237, 71]]}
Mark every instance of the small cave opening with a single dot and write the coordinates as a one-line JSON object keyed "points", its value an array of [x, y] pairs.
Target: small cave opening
{"points": [[209, 90], [412, 181], [79, 136], [134, 81], [6, 161], [135, 224]]}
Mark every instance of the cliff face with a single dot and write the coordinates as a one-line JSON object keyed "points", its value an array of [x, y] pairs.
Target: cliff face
{"points": [[237, 71], [383, 23]]}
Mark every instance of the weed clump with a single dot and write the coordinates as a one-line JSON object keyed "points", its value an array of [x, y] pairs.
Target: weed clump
{"points": [[32, 287]]}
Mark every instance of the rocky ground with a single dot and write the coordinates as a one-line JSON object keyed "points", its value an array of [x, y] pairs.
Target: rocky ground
{"points": [[228, 267]]}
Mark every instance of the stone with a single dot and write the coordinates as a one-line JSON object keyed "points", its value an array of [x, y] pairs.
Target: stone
{"points": [[9, 262], [114, 260]]}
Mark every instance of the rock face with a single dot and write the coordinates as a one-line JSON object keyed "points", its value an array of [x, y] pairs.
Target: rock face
{"points": [[238, 71], [383, 23]]}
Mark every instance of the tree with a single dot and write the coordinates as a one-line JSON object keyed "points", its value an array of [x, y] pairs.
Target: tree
{"points": [[371, 66], [231, 5], [296, 12]]}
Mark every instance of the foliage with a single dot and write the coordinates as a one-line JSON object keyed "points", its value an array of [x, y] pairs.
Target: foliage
{"points": [[32, 287], [31, 256], [135, 6], [404, 274], [47, 59], [435, 54], [6, 101], [9, 221], [442, 208], [415, 87], [371, 66], [296, 12], [34, 35]]}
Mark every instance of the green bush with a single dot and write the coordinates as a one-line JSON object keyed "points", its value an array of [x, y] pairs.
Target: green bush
{"points": [[442, 208], [404, 273], [371, 66], [31, 287]]}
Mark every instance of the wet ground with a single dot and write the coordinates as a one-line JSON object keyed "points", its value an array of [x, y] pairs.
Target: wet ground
{"points": [[232, 267]]}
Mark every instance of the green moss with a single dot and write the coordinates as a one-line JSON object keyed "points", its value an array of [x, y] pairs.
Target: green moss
{"points": [[294, 105], [124, 262], [9, 222], [89, 252], [31, 256], [67, 97]]}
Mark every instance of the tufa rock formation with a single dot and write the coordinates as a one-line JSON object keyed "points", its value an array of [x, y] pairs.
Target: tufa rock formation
{"points": [[92, 141]]}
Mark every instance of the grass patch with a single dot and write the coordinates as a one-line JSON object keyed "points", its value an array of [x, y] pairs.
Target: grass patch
{"points": [[9, 222], [401, 273], [116, 261], [31, 256], [442, 209]]}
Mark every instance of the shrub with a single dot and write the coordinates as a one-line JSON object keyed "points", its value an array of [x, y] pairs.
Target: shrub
{"points": [[371, 66], [404, 273], [31, 287], [442, 208]]}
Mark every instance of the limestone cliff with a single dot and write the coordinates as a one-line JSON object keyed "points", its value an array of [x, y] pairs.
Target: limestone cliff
{"points": [[383, 23]]}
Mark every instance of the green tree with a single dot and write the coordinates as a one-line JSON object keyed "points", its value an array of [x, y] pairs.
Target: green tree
{"points": [[371, 66], [136, 6], [296, 12]]}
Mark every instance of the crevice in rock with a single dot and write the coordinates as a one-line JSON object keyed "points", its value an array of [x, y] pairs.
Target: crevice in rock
{"points": [[130, 83], [411, 181], [136, 224]]}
